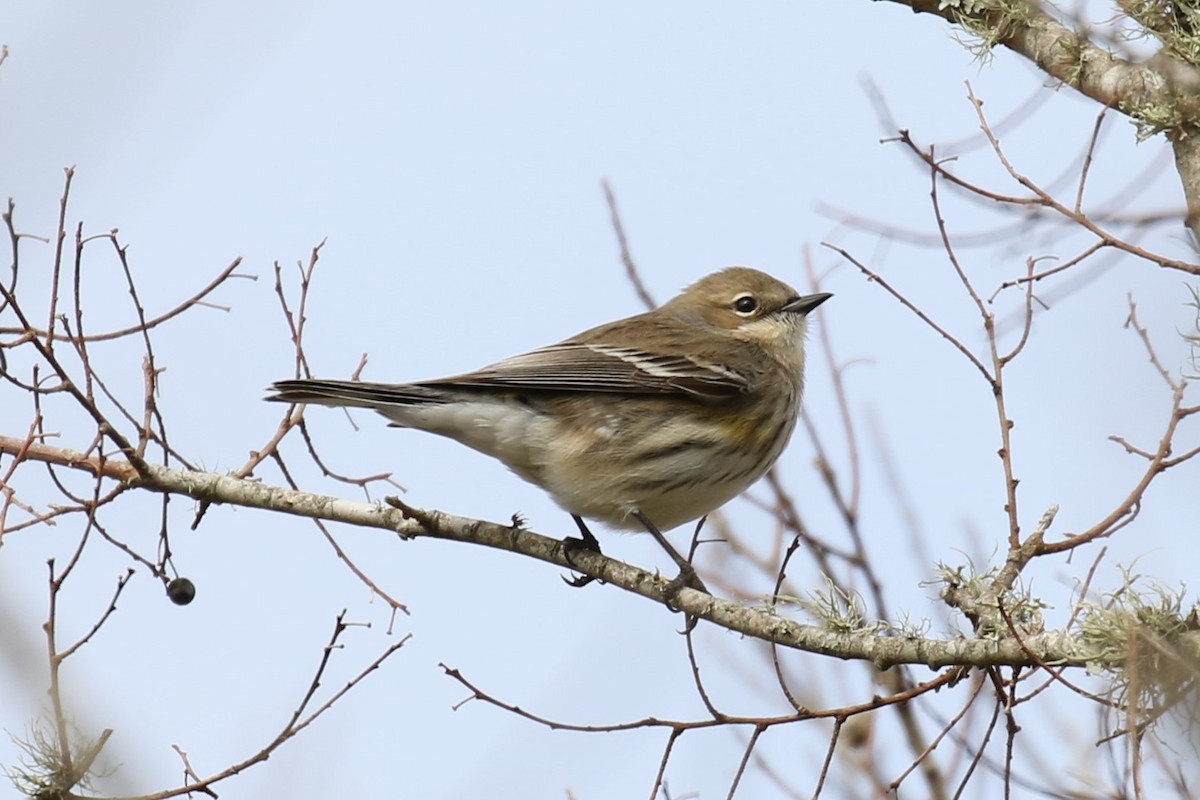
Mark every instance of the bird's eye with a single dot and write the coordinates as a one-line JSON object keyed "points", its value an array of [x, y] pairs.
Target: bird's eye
{"points": [[745, 304]]}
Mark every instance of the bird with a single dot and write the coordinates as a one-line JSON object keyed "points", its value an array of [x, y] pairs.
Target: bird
{"points": [[644, 423]]}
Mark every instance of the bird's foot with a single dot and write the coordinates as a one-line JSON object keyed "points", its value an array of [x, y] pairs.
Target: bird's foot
{"points": [[686, 579], [572, 545]]}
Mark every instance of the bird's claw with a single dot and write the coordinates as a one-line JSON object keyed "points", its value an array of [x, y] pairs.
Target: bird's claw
{"points": [[578, 582], [687, 578], [586, 541]]}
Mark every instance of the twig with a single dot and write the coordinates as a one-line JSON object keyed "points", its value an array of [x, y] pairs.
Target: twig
{"points": [[631, 270]]}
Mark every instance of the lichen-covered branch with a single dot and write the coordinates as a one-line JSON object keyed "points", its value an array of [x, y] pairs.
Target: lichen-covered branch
{"points": [[884, 649], [1161, 94]]}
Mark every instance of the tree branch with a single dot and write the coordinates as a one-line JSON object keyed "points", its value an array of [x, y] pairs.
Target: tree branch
{"points": [[1158, 94], [762, 622]]}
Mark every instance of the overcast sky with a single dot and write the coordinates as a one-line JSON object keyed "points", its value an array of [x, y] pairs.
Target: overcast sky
{"points": [[450, 155]]}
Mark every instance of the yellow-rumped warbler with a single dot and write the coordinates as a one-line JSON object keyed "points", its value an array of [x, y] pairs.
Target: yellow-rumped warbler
{"points": [[644, 423]]}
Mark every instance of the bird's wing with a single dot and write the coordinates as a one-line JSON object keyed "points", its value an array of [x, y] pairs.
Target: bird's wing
{"points": [[594, 367]]}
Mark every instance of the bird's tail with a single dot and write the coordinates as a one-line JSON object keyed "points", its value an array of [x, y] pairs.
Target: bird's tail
{"points": [[353, 393]]}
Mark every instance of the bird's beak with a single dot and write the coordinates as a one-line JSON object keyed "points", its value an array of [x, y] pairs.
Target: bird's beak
{"points": [[805, 304]]}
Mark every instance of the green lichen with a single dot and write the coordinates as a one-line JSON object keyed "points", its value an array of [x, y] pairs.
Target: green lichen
{"points": [[41, 773], [1141, 638], [986, 22]]}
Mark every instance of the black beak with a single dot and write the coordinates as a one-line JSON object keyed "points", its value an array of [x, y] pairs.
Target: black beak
{"points": [[805, 304]]}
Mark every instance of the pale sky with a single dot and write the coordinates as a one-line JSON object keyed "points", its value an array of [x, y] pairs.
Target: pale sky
{"points": [[451, 157]]}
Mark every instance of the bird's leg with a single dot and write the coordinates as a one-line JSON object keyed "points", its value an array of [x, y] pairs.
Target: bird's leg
{"points": [[687, 573], [586, 541]]}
